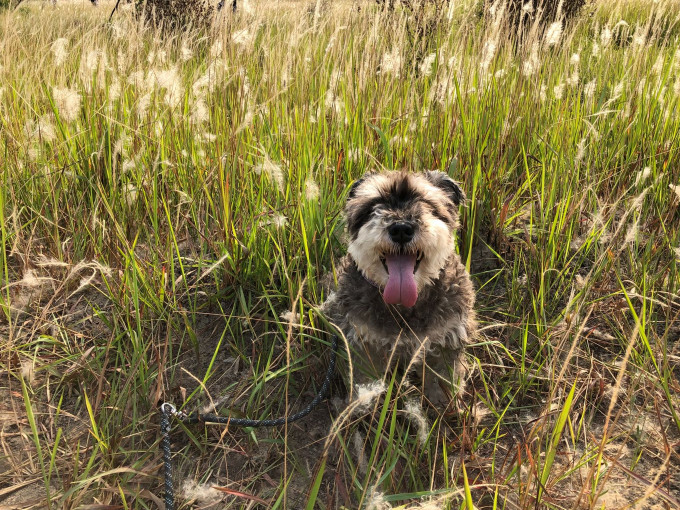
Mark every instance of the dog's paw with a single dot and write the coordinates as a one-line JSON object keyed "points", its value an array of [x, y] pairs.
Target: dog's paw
{"points": [[437, 397]]}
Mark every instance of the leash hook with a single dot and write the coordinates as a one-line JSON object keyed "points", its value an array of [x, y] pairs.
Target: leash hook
{"points": [[168, 408]]}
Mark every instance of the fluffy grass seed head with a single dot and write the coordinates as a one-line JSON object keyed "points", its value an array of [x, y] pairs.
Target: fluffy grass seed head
{"points": [[589, 89], [207, 82], [217, 48], [367, 394], [391, 63], [247, 7], [278, 221], [33, 153], [415, 413], [377, 501], [480, 412], [120, 148], [46, 130], [60, 50], [170, 81], [204, 494], [488, 53], [658, 66], [617, 91], [333, 102], [247, 120], [42, 129], [243, 38], [595, 51], [207, 137], [532, 63], [30, 279], [442, 91], [118, 30], [642, 175], [640, 37], [631, 234], [398, 140], [130, 193], [142, 104], [157, 57], [68, 102], [331, 43], [360, 452], [354, 154], [28, 372], [427, 64], [128, 165], [138, 80], [311, 190], [185, 53], [115, 89], [89, 62], [580, 151], [200, 112], [245, 84], [573, 78], [272, 171], [553, 34], [289, 316]]}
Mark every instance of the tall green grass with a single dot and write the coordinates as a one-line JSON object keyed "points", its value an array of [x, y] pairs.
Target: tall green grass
{"points": [[170, 206]]}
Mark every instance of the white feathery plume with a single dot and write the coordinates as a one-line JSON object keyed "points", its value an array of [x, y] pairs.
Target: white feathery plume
{"points": [[68, 103]]}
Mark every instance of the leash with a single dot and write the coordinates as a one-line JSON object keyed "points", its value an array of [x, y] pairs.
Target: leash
{"points": [[167, 410]]}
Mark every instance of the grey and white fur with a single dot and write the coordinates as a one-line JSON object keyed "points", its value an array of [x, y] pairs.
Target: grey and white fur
{"points": [[402, 287]]}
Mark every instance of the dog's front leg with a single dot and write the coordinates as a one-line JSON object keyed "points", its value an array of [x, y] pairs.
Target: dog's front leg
{"points": [[369, 364], [444, 377]]}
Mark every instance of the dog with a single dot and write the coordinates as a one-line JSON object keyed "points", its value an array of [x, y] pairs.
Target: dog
{"points": [[402, 295]]}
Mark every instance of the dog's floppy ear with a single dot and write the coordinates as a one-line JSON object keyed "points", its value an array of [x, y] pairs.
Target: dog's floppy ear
{"points": [[355, 185], [451, 187]]}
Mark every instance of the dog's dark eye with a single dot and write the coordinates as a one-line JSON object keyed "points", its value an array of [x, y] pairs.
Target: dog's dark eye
{"points": [[439, 212], [359, 215]]}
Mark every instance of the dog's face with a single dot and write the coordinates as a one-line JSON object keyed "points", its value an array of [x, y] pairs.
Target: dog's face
{"points": [[400, 227]]}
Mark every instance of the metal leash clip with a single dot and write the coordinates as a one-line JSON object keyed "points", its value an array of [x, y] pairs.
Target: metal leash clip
{"points": [[170, 409]]}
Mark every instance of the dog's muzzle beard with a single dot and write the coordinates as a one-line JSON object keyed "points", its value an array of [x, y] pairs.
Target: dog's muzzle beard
{"points": [[401, 263]]}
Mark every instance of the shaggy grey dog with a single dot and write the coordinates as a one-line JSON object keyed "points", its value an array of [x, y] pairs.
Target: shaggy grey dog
{"points": [[402, 293]]}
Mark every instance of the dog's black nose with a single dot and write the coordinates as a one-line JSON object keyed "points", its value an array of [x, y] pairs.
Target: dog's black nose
{"points": [[401, 232]]}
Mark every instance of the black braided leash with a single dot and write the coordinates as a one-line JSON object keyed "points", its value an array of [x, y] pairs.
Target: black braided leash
{"points": [[168, 410]]}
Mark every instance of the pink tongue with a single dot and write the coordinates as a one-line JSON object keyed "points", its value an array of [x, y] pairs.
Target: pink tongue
{"points": [[401, 285]]}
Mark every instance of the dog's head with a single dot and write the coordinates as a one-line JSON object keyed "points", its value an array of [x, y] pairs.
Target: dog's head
{"points": [[400, 227]]}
